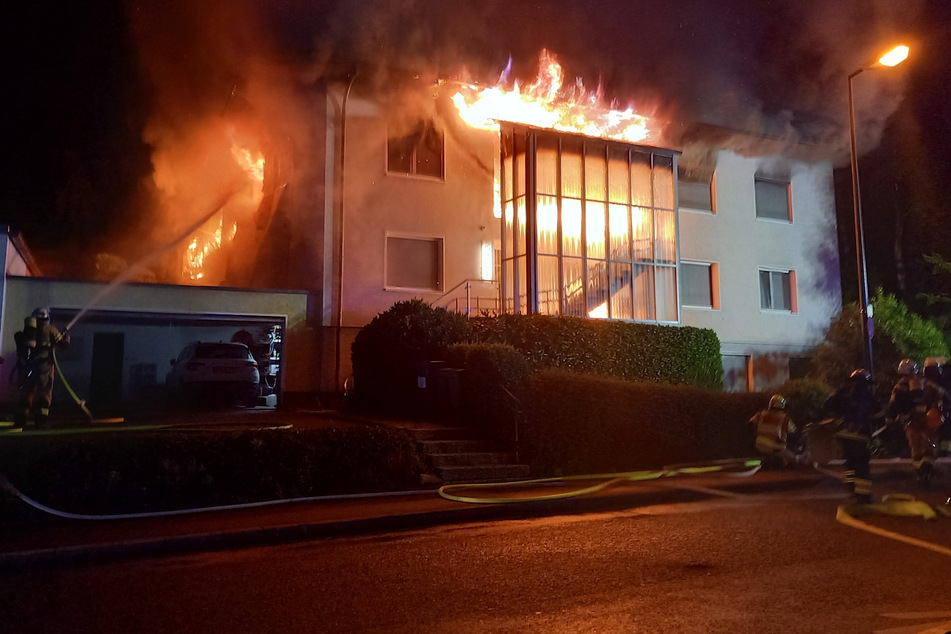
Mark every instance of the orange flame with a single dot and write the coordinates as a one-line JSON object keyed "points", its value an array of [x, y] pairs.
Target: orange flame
{"points": [[545, 104], [252, 164]]}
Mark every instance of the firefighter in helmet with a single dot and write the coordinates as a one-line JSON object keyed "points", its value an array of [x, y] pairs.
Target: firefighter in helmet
{"points": [[855, 410], [35, 367], [774, 428], [908, 407]]}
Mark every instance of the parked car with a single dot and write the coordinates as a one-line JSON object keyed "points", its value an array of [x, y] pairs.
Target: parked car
{"points": [[210, 372]]}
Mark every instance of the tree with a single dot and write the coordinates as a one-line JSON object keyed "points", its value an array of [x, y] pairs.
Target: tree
{"points": [[898, 334]]}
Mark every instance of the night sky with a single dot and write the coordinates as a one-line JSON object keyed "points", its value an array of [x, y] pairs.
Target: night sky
{"points": [[98, 94]]}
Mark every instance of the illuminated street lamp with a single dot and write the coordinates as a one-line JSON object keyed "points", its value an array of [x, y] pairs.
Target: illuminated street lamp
{"points": [[892, 58]]}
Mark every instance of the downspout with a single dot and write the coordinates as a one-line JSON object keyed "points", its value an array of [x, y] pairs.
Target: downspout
{"points": [[340, 260]]}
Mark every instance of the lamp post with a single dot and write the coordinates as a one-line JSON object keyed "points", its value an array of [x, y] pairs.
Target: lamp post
{"points": [[892, 58]]}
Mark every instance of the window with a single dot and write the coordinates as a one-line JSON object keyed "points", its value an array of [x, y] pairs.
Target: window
{"points": [[699, 285], [737, 373], [414, 262], [419, 153], [777, 290], [772, 200], [696, 192], [589, 227]]}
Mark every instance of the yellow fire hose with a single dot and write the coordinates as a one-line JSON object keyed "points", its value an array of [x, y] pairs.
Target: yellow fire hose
{"points": [[453, 491], [79, 401]]}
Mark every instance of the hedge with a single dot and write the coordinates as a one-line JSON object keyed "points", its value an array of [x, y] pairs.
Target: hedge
{"points": [[128, 473], [580, 424]]}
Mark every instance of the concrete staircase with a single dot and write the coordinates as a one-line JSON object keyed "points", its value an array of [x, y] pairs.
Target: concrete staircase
{"points": [[456, 457]]}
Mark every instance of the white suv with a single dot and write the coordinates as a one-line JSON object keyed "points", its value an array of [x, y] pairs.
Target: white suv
{"points": [[210, 372]]}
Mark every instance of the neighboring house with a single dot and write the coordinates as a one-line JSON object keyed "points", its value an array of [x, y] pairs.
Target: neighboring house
{"points": [[388, 198]]}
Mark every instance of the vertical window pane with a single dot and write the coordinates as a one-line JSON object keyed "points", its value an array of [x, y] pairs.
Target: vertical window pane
{"points": [[571, 226], [619, 176], [663, 182], [643, 220], [520, 226], [594, 225], [644, 292], [547, 165], [618, 225], [429, 153], [521, 285], [595, 172], [641, 179], [666, 236], [765, 294], [666, 291], [508, 231], [574, 287], [571, 168], [547, 224], [622, 302], [772, 199], [549, 286], [598, 289]]}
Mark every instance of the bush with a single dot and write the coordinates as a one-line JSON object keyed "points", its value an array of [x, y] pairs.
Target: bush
{"points": [[580, 424], [387, 351], [805, 399], [637, 352], [493, 386], [119, 473]]}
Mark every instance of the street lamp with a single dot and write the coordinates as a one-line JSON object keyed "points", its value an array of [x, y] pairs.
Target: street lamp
{"points": [[892, 58]]}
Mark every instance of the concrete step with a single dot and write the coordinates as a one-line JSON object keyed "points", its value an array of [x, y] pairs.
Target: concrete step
{"points": [[471, 459], [484, 473], [431, 447], [441, 433]]}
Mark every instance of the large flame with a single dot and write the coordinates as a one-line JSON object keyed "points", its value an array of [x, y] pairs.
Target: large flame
{"points": [[547, 104]]}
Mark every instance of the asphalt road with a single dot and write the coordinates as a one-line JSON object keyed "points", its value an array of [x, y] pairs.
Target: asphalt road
{"points": [[769, 562]]}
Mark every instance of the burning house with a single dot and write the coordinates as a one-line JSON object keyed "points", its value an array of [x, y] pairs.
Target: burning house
{"points": [[514, 199]]}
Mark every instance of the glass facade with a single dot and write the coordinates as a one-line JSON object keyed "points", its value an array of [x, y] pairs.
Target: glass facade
{"points": [[589, 227]]}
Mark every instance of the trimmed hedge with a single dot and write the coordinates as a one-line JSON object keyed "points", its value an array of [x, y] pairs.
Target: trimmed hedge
{"points": [[580, 424], [632, 351], [126, 473], [386, 352], [492, 388]]}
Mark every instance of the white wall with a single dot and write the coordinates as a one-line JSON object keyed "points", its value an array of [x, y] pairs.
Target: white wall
{"points": [[742, 244], [457, 209]]}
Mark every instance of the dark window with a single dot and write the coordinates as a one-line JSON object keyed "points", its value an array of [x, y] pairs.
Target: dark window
{"points": [[419, 153], [414, 262], [696, 285], [772, 200]]}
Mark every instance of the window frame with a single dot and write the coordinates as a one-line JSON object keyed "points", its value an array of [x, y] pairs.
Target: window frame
{"points": [[791, 276], [411, 140], [712, 186], [440, 268], [757, 180], [713, 278]]}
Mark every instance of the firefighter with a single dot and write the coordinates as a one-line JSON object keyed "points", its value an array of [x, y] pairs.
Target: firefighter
{"points": [[938, 376], [774, 428], [35, 367], [908, 407], [855, 409]]}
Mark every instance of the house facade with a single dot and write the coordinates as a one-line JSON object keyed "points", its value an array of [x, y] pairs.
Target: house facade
{"points": [[389, 197]]}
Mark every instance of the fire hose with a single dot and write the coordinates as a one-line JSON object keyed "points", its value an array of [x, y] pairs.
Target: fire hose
{"points": [[747, 467], [79, 401]]}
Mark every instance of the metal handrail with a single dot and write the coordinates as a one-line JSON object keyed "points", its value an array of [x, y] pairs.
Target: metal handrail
{"points": [[467, 284], [518, 414]]}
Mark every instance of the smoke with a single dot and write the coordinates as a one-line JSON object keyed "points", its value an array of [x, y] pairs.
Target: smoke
{"points": [[238, 72]]}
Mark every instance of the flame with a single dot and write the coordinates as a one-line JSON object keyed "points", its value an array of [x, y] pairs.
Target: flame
{"points": [[547, 104], [252, 164]]}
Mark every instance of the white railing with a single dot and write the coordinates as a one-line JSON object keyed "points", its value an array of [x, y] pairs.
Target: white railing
{"points": [[472, 297]]}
